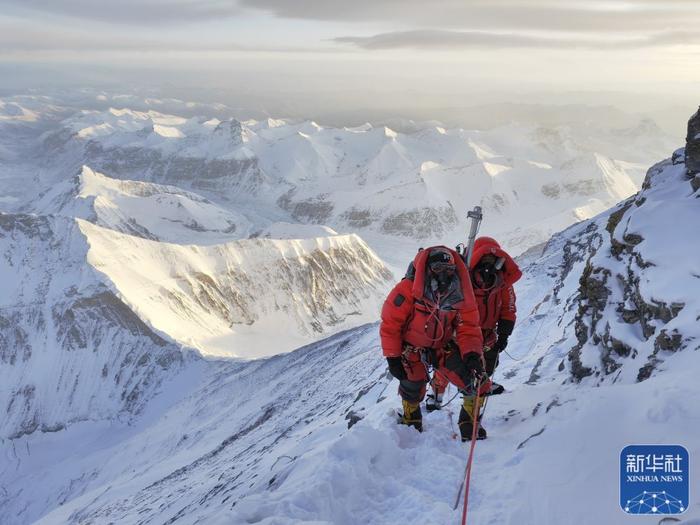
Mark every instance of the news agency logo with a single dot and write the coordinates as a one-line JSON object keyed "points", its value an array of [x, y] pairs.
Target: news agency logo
{"points": [[654, 479]]}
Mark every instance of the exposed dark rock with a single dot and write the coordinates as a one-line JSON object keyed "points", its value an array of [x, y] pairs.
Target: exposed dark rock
{"points": [[554, 403], [668, 342], [353, 417], [612, 348], [692, 145], [632, 239], [137, 163], [421, 223], [695, 182], [578, 371], [575, 251], [314, 210], [652, 172], [592, 286], [522, 444], [358, 218], [616, 217], [664, 342], [233, 129], [551, 190], [646, 371], [534, 376]]}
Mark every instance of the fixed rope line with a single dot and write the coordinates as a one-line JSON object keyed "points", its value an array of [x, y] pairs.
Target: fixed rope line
{"points": [[468, 473]]}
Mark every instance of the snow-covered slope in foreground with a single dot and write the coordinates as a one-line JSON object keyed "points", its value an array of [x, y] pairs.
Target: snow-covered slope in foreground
{"points": [[269, 442], [310, 436]]}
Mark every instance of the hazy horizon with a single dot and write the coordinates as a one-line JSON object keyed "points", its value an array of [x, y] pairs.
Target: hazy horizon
{"points": [[365, 60]]}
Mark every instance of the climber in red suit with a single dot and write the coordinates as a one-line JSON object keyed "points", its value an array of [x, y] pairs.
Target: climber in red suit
{"points": [[493, 273], [430, 320]]}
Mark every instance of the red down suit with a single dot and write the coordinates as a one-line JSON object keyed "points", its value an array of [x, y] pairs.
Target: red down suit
{"points": [[417, 322], [496, 302]]}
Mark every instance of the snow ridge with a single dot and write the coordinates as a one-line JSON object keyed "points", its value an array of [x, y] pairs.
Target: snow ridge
{"points": [[152, 211], [221, 298]]}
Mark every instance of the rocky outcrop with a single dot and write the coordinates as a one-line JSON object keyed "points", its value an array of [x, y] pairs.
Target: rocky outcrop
{"points": [[692, 145], [223, 175], [627, 306]]}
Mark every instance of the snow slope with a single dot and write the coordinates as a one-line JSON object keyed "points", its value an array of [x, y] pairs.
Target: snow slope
{"points": [[283, 453], [310, 436], [246, 298], [70, 349]]}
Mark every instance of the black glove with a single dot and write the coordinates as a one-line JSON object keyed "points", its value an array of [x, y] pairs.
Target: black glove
{"points": [[501, 343], [503, 330], [472, 367], [473, 364], [396, 368]]}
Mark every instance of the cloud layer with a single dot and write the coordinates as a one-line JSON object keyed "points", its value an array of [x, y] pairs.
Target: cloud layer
{"points": [[442, 39], [139, 12], [619, 16], [556, 15]]}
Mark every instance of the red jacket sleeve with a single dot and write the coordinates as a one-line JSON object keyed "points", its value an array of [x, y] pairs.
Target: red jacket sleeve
{"points": [[468, 330], [508, 309], [395, 312]]}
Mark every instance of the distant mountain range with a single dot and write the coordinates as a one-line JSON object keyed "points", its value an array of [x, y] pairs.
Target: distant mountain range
{"points": [[397, 190]]}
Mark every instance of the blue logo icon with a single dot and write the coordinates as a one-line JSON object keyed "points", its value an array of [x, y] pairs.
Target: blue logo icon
{"points": [[654, 479]]}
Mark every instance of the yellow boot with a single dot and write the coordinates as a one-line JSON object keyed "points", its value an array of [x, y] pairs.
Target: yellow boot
{"points": [[412, 415], [466, 425]]}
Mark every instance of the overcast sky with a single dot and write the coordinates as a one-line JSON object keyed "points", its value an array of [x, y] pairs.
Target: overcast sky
{"points": [[359, 53]]}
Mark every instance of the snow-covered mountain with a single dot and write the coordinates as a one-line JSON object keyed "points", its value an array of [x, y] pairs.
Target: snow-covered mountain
{"points": [[395, 189], [246, 298], [70, 349], [151, 211], [604, 355]]}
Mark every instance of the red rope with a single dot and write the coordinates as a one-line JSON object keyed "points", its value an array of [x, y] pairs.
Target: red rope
{"points": [[468, 473], [435, 312]]}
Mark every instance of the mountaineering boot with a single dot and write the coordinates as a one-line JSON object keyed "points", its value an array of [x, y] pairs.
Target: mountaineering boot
{"points": [[496, 389], [434, 402], [465, 423], [412, 415]]}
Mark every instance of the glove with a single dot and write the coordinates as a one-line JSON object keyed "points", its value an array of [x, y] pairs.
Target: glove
{"points": [[396, 368], [472, 363], [501, 344], [472, 368], [504, 329]]}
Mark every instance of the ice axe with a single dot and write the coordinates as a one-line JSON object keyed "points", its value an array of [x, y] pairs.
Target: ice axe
{"points": [[475, 216]]}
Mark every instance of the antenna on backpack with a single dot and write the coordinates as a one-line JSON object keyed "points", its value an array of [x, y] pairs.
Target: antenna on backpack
{"points": [[476, 216]]}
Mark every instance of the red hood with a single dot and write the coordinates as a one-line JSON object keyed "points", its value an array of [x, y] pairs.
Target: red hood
{"points": [[419, 264], [488, 245]]}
